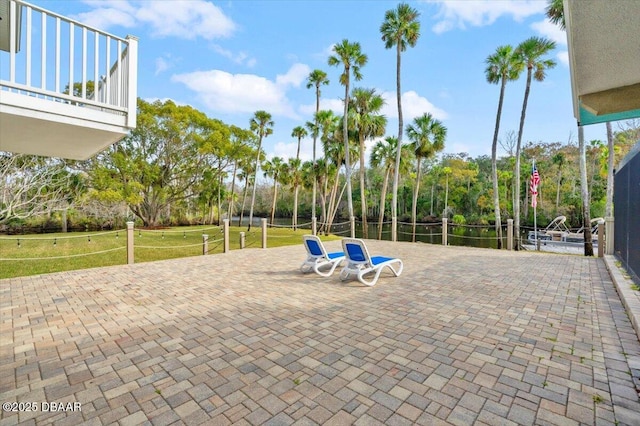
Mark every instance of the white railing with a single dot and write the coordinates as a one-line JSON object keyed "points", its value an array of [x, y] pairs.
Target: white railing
{"points": [[56, 58]]}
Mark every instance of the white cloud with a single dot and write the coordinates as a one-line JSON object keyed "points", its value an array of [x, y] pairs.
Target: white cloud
{"points": [[245, 93], [238, 58], [188, 19], [551, 31], [478, 13], [161, 65], [288, 150], [325, 53], [106, 17], [295, 76], [563, 57], [413, 105], [335, 105]]}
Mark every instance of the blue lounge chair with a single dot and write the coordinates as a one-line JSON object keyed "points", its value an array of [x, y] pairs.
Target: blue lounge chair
{"points": [[318, 259], [361, 263]]}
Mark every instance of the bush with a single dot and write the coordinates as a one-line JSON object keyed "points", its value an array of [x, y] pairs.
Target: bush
{"points": [[459, 219]]}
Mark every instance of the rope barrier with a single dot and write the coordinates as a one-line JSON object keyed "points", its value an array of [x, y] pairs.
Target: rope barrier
{"points": [[62, 257], [65, 237], [170, 247]]}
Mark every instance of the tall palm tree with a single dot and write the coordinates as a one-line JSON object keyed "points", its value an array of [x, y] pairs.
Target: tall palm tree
{"points": [[350, 56], [241, 141], [384, 155], [246, 174], [555, 13], [559, 160], [298, 132], [531, 52], [262, 125], [316, 79], [427, 137], [400, 28], [276, 169], [502, 66], [584, 191], [368, 123]]}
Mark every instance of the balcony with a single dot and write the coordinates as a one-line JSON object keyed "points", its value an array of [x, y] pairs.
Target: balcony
{"points": [[66, 89]]}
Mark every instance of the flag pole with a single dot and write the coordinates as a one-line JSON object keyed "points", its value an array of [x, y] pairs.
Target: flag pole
{"points": [[535, 216]]}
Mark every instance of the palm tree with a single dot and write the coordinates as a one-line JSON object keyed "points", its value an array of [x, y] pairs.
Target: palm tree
{"points": [[246, 174], [298, 132], [584, 191], [327, 122], [558, 159], [368, 123], [530, 51], [384, 154], [240, 149], [504, 65], [400, 28], [351, 57], [316, 79], [427, 137], [262, 125], [555, 12], [275, 169]]}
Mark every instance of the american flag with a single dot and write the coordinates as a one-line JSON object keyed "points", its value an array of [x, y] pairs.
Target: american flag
{"points": [[533, 186]]}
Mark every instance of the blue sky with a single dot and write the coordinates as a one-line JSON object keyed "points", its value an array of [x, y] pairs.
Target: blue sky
{"points": [[232, 58]]}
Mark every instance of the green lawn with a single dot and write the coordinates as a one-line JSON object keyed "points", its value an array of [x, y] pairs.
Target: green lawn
{"points": [[35, 254]]}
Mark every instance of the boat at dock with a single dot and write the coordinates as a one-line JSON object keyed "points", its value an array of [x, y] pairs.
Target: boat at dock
{"points": [[558, 234]]}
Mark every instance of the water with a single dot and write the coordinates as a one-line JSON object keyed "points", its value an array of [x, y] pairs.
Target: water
{"points": [[458, 235]]}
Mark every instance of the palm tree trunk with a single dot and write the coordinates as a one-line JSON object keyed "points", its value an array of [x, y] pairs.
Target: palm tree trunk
{"points": [[396, 173], [334, 208], [558, 187], [255, 184], [446, 195], [516, 204], [494, 167], [383, 198], [414, 207], [332, 202], [584, 189], [345, 136], [233, 186], [244, 199], [273, 204], [610, 165], [295, 207], [363, 192]]}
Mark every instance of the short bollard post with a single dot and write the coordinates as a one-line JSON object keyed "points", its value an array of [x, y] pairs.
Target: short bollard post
{"points": [[205, 244], [130, 243], [608, 234], [242, 240], [601, 238], [225, 233], [264, 232], [509, 234], [314, 225], [444, 231], [352, 225]]}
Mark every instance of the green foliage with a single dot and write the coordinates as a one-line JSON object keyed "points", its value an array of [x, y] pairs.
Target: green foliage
{"points": [[458, 219]]}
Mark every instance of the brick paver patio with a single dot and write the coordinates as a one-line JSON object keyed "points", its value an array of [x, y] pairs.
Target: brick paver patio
{"points": [[464, 336]]}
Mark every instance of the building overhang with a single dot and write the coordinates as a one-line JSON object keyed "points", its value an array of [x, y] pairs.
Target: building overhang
{"points": [[603, 37]]}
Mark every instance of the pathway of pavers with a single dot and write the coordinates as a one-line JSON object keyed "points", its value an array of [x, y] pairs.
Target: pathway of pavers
{"points": [[465, 336]]}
